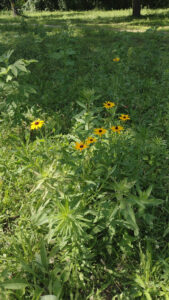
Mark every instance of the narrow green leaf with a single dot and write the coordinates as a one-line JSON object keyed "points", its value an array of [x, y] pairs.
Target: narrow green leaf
{"points": [[166, 231], [148, 297], [43, 255], [140, 281], [81, 104]]}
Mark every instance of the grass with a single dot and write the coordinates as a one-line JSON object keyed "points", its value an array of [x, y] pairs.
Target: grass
{"points": [[119, 19], [90, 224]]}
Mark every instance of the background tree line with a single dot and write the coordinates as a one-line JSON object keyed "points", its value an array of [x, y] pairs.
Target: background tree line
{"points": [[80, 4]]}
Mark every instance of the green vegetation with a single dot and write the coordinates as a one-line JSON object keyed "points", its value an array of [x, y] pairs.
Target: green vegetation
{"points": [[84, 220], [52, 5], [119, 20]]}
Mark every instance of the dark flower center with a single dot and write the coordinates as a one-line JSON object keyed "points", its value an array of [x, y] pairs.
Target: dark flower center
{"points": [[36, 123], [116, 127], [100, 130], [124, 117], [108, 104], [91, 140], [81, 146]]}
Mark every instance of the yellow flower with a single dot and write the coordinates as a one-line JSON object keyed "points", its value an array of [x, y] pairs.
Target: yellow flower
{"points": [[108, 104], [116, 59], [37, 124], [80, 146], [100, 131], [124, 117], [117, 128], [90, 140]]}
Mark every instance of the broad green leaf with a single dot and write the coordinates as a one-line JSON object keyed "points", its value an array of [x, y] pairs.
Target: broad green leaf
{"points": [[65, 275], [49, 297], [21, 66], [15, 284], [14, 70], [8, 78], [57, 287], [3, 71]]}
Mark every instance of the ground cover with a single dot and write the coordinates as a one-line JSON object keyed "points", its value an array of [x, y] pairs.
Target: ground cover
{"points": [[84, 207], [158, 18]]}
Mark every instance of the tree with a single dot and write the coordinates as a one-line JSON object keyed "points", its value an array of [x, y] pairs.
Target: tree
{"points": [[16, 6], [13, 7], [136, 8]]}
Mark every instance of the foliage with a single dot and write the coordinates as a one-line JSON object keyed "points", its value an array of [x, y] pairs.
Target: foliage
{"points": [[91, 222], [81, 4]]}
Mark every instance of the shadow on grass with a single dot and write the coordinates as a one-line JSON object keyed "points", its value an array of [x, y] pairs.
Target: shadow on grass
{"points": [[71, 61], [76, 63], [159, 18]]}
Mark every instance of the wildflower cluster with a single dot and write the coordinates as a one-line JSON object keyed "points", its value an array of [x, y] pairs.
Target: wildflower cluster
{"points": [[101, 131], [97, 131]]}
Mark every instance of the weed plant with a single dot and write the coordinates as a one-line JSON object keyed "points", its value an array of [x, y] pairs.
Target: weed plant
{"points": [[83, 163]]}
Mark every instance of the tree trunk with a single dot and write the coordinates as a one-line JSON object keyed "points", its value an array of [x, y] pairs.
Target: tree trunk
{"points": [[136, 8], [14, 10]]}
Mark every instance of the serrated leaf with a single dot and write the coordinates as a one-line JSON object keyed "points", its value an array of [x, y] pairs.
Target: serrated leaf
{"points": [[19, 64], [3, 71], [14, 70], [8, 78]]}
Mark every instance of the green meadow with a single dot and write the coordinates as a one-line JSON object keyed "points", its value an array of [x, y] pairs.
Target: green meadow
{"points": [[84, 162]]}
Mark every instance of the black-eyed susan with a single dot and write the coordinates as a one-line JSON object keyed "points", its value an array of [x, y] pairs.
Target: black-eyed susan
{"points": [[100, 131], [124, 117], [37, 124], [116, 59], [91, 140], [108, 104], [117, 128], [80, 146]]}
